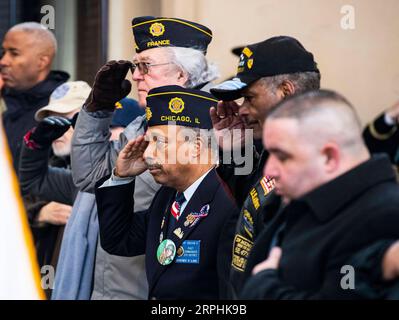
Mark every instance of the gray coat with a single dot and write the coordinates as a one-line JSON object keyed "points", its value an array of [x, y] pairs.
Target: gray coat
{"points": [[114, 277], [39, 179], [93, 156]]}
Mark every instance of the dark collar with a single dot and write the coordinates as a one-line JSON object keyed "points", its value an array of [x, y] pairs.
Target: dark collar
{"points": [[207, 189], [201, 85], [42, 89], [326, 200]]}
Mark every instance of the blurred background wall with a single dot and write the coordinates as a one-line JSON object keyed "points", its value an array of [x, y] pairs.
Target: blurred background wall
{"points": [[358, 57]]}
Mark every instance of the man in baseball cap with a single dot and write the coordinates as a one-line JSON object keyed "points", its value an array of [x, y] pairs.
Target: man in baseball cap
{"points": [[66, 99], [49, 201], [268, 72], [272, 57]]}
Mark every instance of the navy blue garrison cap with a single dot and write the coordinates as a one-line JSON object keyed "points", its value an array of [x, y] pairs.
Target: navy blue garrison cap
{"points": [[152, 32], [180, 106]]}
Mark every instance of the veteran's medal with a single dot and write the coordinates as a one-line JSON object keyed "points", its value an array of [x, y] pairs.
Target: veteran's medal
{"points": [[180, 251], [166, 252], [189, 220]]}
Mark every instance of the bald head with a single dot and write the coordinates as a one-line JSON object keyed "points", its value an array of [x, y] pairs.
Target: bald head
{"points": [[323, 115], [28, 52], [40, 37], [312, 139]]}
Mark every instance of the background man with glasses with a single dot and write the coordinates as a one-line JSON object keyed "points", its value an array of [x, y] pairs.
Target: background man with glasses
{"points": [[168, 52]]}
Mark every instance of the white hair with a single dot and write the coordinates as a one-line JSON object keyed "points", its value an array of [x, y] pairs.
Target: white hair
{"points": [[41, 33], [196, 66], [302, 81]]}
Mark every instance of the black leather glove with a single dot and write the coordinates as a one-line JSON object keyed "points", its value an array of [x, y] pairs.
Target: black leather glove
{"points": [[109, 86], [49, 129], [74, 119]]}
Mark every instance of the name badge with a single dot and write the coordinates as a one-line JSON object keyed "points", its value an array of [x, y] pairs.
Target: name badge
{"points": [[189, 252]]}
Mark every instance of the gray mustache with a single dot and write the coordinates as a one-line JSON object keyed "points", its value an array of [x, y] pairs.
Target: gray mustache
{"points": [[151, 164]]}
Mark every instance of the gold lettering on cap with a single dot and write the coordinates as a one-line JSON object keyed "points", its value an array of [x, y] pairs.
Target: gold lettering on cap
{"points": [[158, 43], [176, 118]]}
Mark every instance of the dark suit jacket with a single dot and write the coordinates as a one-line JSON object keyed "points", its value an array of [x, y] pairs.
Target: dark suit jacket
{"points": [[323, 230], [21, 108], [128, 234]]}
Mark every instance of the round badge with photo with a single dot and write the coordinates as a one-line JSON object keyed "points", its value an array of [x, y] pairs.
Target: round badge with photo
{"points": [[166, 252]]}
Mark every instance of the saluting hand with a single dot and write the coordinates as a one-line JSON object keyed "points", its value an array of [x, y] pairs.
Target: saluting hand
{"points": [[50, 129], [109, 86], [130, 161], [225, 119]]}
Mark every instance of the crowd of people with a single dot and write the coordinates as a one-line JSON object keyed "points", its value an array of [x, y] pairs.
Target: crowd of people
{"points": [[263, 186]]}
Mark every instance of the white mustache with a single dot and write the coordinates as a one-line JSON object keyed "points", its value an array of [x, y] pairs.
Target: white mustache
{"points": [[151, 164]]}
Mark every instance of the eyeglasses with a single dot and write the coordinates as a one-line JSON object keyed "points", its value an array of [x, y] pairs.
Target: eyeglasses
{"points": [[145, 66]]}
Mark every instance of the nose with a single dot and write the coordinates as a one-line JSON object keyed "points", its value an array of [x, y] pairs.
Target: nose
{"points": [[137, 75], [149, 151], [243, 110], [270, 169], [5, 60]]}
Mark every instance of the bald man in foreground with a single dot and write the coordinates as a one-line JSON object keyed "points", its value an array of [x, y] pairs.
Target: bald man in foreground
{"points": [[337, 198], [25, 68]]}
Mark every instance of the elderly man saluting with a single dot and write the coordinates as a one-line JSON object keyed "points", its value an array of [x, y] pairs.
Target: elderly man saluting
{"points": [[185, 233]]}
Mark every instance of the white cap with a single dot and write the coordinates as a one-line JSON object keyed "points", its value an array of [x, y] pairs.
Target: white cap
{"points": [[65, 99]]}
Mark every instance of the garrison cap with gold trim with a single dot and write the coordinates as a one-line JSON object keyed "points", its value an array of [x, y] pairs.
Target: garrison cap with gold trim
{"points": [[185, 107], [151, 32]]}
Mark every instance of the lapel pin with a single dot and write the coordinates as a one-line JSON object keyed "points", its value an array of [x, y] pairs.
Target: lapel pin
{"points": [[179, 233]]}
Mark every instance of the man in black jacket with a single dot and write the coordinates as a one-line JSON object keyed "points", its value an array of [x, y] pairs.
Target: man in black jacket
{"points": [[28, 51], [187, 232], [337, 200]]}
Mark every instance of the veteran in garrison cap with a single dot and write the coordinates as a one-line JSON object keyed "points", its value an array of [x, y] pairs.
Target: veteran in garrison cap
{"points": [[186, 234], [170, 51]]}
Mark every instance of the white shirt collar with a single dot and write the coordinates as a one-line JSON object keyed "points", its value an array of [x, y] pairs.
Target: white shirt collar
{"points": [[189, 192]]}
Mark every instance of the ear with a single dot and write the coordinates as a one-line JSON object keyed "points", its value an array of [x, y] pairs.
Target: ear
{"points": [[43, 62], [332, 157], [286, 88], [197, 146], [181, 78]]}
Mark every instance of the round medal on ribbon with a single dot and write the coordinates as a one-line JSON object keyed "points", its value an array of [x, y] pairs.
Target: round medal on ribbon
{"points": [[166, 252]]}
